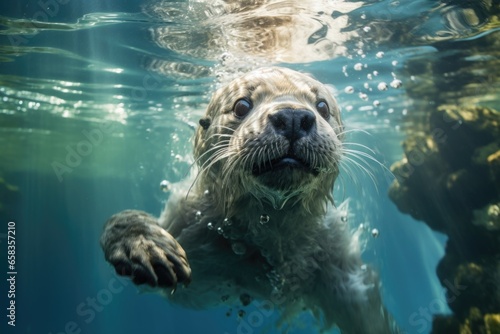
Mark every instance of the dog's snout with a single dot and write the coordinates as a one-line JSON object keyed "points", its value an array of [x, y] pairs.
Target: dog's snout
{"points": [[293, 123]]}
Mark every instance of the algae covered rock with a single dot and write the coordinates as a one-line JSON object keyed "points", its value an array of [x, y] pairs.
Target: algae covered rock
{"points": [[475, 323], [449, 178]]}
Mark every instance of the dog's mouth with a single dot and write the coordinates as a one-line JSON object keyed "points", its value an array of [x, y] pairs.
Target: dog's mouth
{"points": [[287, 162]]}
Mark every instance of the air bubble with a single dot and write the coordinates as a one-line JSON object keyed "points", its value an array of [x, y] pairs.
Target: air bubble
{"points": [[376, 103], [344, 70], [225, 57], [375, 233], [382, 86], [206, 192], [366, 85], [227, 222], [239, 248], [369, 76], [197, 216], [379, 54], [367, 29], [358, 67], [375, 73], [165, 186], [394, 63], [363, 16], [396, 83], [220, 230], [349, 90], [264, 219], [210, 226], [363, 96]]}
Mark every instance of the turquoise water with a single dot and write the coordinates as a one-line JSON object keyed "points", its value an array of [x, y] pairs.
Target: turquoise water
{"points": [[123, 86]]}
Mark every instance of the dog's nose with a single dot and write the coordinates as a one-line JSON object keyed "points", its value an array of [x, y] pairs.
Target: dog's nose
{"points": [[293, 123]]}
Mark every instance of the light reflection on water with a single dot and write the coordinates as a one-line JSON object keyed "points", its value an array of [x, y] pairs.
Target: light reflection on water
{"points": [[147, 72]]}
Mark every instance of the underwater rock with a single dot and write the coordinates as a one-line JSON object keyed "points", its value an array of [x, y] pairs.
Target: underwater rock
{"points": [[475, 323], [494, 167], [445, 324], [450, 179], [488, 217]]}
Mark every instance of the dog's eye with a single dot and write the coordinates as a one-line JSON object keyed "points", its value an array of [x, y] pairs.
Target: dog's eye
{"points": [[242, 107], [323, 109]]}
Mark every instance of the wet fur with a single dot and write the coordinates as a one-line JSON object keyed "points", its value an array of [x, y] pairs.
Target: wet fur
{"points": [[304, 258]]}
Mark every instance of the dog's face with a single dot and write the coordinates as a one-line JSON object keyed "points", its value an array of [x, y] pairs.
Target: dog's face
{"points": [[272, 130]]}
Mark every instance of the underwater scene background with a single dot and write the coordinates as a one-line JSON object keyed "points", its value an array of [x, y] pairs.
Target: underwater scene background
{"points": [[100, 99]]}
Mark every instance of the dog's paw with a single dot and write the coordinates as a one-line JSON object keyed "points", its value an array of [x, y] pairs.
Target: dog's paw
{"points": [[137, 247]]}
